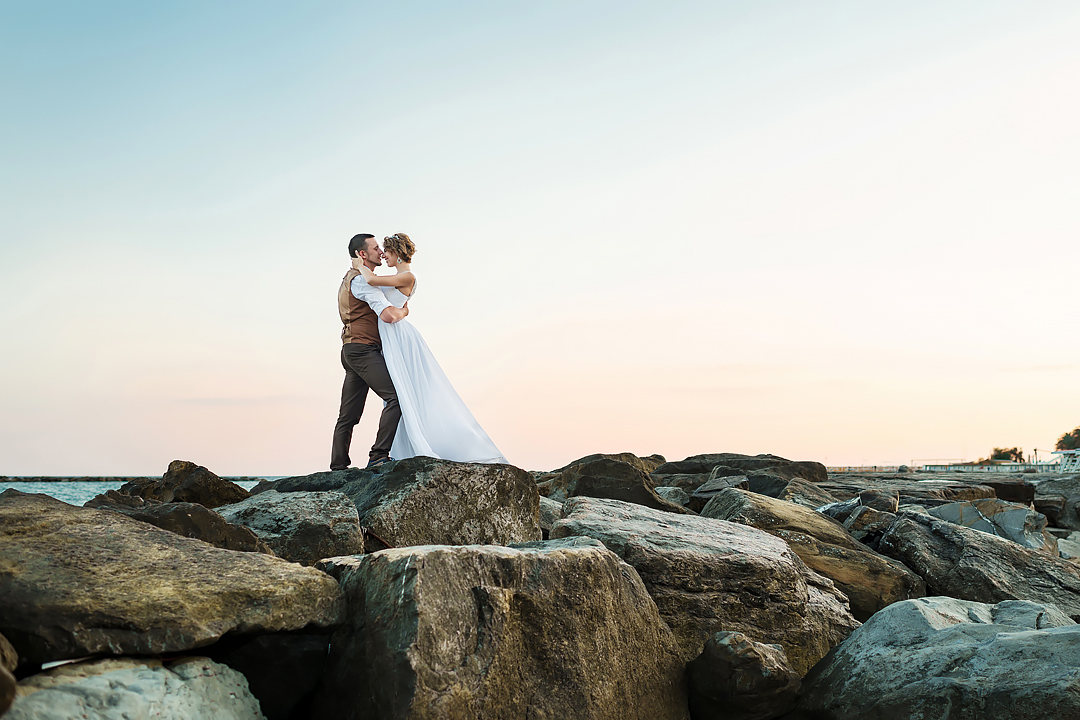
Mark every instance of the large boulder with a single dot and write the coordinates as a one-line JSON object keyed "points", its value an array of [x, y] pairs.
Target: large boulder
{"points": [[870, 581], [708, 575], [1018, 523], [193, 687], [303, 527], [928, 490], [1061, 496], [972, 565], [546, 630], [550, 513], [805, 493], [673, 494], [704, 493], [183, 518], [645, 464], [736, 678], [317, 482], [788, 469], [939, 657], [77, 581], [608, 478], [186, 482], [424, 501]]}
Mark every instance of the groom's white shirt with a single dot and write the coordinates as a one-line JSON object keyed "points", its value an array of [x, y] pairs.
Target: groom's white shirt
{"points": [[372, 296]]}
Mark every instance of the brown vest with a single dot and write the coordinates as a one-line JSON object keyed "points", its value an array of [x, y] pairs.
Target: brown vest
{"points": [[360, 321]]}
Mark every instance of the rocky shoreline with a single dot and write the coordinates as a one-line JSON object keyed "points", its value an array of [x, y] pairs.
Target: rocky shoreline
{"points": [[619, 586]]}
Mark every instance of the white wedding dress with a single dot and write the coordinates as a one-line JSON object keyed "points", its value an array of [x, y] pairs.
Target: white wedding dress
{"points": [[434, 420]]}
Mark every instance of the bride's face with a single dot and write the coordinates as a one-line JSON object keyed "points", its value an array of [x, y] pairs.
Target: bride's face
{"points": [[391, 258]]}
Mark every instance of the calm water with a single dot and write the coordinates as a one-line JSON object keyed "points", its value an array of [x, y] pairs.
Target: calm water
{"points": [[78, 492]]}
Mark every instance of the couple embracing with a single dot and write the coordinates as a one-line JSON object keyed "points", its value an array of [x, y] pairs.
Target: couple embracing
{"points": [[422, 414]]}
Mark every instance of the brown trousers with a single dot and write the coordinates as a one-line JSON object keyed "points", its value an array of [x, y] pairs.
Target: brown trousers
{"points": [[364, 369]]}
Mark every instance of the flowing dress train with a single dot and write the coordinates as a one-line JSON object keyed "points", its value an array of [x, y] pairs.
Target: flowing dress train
{"points": [[434, 420]]}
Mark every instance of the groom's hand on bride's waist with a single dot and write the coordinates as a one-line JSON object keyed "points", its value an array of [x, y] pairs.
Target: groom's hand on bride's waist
{"points": [[394, 314]]}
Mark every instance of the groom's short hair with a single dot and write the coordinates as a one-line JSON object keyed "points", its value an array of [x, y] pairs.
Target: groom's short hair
{"points": [[358, 242]]}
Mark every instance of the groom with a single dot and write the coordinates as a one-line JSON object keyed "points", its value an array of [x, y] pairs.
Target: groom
{"points": [[360, 307]]}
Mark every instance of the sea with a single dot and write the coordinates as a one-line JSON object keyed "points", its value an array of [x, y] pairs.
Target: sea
{"points": [[77, 492]]}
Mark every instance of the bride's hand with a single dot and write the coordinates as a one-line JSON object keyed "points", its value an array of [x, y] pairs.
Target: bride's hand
{"points": [[357, 263]]}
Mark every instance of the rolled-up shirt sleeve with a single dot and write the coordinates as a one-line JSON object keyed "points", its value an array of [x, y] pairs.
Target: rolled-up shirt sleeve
{"points": [[372, 296]]}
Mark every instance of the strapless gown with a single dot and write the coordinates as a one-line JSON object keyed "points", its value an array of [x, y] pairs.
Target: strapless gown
{"points": [[434, 420]]}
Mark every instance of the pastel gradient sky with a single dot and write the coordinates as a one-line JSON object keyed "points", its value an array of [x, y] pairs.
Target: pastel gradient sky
{"points": [[840, 231]]}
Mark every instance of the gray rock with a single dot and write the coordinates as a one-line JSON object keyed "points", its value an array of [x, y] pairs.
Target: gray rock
{"points": [[788, 469], [1059, 499], [1018, 523], [807, 494], [868, 525], [302, 527], [607, 478], [687, 481], [317, 482], [939, 488], [645, 464], [542, 630], [870, 581], [840, 511], [183, 518], [1069, 547], [550, 513], [186, 482], [193, 687], [702, 495], [77, 581], [708, 575], [885, 501], [736, 678], [939, 657], [971, 565], [672, 494], [424, 501], [1053, 507]]}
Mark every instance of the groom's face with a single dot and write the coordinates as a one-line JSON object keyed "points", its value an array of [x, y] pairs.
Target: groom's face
{"points": [[372, 254]]}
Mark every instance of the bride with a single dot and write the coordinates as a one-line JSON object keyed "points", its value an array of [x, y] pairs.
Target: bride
{"points": [[434, 420]]}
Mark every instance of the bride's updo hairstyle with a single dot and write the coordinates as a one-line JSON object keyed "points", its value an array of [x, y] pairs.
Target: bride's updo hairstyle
{"points": [[400, 245]]}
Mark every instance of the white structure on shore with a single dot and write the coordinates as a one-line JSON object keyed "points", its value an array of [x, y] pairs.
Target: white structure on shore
{"points": [[1070, 460], [1000, 467]]}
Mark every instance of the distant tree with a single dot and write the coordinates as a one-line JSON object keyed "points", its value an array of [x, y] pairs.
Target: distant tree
{"points": [[1008, 454], [1069, 441], [1002, 455]]}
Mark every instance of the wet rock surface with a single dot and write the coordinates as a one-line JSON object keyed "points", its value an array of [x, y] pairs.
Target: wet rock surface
{"points": [[301, 527], [608, 478], [869, 580], [707, 575], [78, 581], [547, 629], [940, 657], [194, 687], [1018, 523], [186, 482], [963, 563], [183, 518], [736, 678]]}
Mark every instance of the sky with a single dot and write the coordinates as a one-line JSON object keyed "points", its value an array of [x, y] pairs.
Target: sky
{"points": [[834, 231]]}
